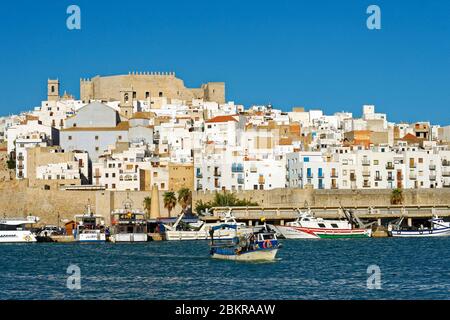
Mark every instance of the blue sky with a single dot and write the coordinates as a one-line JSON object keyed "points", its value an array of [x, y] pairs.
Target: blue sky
{"points": [[316, 54]]}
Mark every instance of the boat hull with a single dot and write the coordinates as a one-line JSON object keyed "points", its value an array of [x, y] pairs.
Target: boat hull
{"points": [[257, 255], [129, 237], [322, 233], [16, 236], [91, 237], [442, 232]]}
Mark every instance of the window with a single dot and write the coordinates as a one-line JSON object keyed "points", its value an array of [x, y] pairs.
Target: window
{"points": [[96, 148], [375, 162], [96, 137], [69, 137], [119, 137], [113, 186], [321, 225], [334, 225], [160, 94], [147, 95]]}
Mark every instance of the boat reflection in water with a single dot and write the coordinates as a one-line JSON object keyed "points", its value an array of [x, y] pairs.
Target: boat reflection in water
{"points": [[259, 245]]}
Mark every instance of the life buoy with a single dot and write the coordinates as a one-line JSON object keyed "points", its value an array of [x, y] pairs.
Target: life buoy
{"points": [[267, 244]]}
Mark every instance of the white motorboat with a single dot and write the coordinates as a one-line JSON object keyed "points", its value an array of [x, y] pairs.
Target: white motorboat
{"points": [[90, 227], [306, 226], [201, 229], [437, 228], [128, 225], [14, 229]]}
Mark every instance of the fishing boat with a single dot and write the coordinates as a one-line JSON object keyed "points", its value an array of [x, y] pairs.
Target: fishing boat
{"points": [[13, 230], [200, 230], [307, 226], [437, 228], [128, 224], [90, 227], [259, 245]]}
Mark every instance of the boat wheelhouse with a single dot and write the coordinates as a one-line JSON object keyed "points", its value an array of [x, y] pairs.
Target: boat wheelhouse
{"points": [[128, 224], [13, 230]]}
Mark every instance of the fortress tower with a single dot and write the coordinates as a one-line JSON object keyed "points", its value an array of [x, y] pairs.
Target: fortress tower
{"points": [[53, 90]]}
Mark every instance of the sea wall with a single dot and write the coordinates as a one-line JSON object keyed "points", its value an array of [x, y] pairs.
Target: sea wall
{"points": [[18, 200]]}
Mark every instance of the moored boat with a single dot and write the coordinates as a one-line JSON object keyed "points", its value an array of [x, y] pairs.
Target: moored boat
{"points": [[90, 227], [437, 228], [14, 230], [307, 226], [128, 225], [259, 245], [201, 229]]}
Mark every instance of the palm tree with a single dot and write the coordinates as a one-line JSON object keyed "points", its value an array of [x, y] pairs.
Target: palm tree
{"points": [[397, 196], [147, 205], [170, 200], [185, 197]]}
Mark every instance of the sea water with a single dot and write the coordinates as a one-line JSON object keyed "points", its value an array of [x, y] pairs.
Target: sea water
{"points": [[305, 269]]}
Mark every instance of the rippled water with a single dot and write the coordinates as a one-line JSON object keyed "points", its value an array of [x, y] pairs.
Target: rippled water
{"points": [[317, 269]]}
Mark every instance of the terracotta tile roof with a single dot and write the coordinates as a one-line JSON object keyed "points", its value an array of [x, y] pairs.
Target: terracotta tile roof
{"points": [[221, 119]]}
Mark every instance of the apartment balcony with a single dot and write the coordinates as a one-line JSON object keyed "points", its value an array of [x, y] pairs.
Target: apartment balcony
{"points": [[199, 175], [399, 177], [320, 176], [366, 185], [446, 185], [20, 158], [432, 167], [20, 166], [334, 186], [378, 178], [391, 179], [390, 166], [253, 169], [217, 173], [433, 177], [334, 175], [366, 173], [240, 180], [412, 177], [446, 163], [366, 162], [446, 173], [352, 178], [310, 176], [413, 165], [199, 187]]}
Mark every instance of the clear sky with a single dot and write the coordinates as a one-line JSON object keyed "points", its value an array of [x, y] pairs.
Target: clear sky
{"points": [[316, 54]]}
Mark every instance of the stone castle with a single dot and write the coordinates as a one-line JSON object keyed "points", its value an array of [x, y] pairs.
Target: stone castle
{"points": [[146, 85]]}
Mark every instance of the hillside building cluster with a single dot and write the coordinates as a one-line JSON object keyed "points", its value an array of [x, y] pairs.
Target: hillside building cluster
{"points": [[134, 131]]}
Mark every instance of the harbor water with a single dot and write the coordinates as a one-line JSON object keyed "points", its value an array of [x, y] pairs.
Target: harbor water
{"points": [[305, 269]]}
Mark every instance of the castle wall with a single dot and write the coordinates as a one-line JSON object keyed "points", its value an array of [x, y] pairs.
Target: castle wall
{"points": [[156, 84]]}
